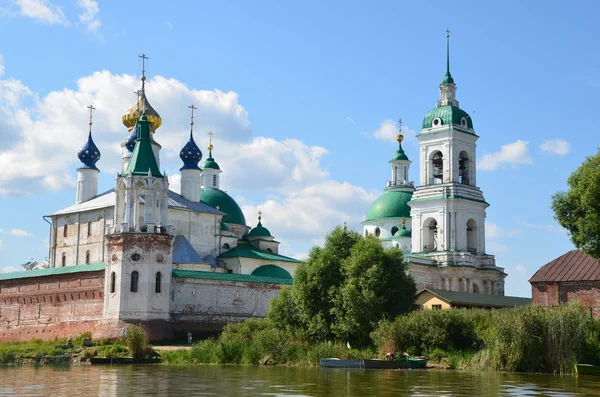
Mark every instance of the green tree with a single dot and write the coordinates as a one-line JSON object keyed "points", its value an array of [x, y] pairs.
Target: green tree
{"points": [[376, 287], [282, 310], [578, 208]]}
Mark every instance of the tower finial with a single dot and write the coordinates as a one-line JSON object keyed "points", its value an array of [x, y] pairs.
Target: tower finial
{"points": [[144, 57], [210, 145], [345, 227], [192, 119], [399, 137], [448, 77], [259, 216], [92, 108]]}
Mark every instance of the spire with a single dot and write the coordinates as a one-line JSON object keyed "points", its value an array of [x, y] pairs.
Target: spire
{"points": [[191, 153], [399, 155], [259, 218], [345, 227], [144, 57], [142, 106], [448, 77], [89, 153], [210, 161], [142, 161]]}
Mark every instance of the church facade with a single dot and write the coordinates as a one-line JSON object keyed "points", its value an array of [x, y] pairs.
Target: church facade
{"points": [[439, 225]]}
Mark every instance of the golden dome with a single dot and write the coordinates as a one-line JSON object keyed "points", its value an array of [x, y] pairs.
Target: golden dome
{"points": [[135, 112]]}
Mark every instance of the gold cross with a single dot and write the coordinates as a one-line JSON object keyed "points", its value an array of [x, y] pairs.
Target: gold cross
{"points": [[144, 57], [193, 108], [210, 135], [447, 33], [259, 215], [92, 108], [400, 123]]}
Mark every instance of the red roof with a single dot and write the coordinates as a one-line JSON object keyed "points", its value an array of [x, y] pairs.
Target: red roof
{"points": [[575, 265]]}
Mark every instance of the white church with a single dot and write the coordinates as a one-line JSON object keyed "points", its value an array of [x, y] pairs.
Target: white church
{"points": [[439, 225]]}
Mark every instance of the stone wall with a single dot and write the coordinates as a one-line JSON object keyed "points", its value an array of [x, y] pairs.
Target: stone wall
{"points": [[553, 294], [50, 307]]}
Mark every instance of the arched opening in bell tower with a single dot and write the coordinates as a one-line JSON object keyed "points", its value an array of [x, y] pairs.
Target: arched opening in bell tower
{"points": [[430, 235], [463, 168], [436, 175], [472, 236]]}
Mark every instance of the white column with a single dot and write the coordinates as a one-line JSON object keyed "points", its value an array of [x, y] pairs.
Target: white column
{"points": [[87, 184], [164, 209], [150, 203], [129, 212]]}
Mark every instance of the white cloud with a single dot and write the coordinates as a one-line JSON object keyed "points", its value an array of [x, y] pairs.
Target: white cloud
{"points": [[350, 120], [388, 130], [493, 231], [42, 11], [8, 269], [1, 65], [547, 228], [497, 247], [89, 14], [20, 233], [511, 154], [520, 269], [558, 147]]}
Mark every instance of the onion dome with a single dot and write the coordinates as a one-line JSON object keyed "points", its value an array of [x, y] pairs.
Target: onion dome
{"points": [[399, 155], [190, 155], [130, 141], [447, 115], [89, 154], [218, 198], [210, 162], [392, 204], [142, 106], [259, 230], [404, 232]]}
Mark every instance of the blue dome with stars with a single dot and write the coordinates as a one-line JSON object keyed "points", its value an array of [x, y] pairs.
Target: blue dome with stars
{"points": [[89, 154], [190, 155], [130, 141]]}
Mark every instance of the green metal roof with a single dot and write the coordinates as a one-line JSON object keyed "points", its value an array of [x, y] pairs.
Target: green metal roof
{"points": [[448, 114], [216, 197], [271, 271], [392, 204], [399, 155], [468, 299], [246, 278], [142, 158], [259, 231], [210, 162], [245, 250], [224, 227], [404, 232], [53, 271]]}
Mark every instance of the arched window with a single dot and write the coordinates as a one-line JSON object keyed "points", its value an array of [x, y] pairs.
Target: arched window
{"points": [[87, 257], [64, 259], [395, 176], [89, 229], [475, 288], [463, 168], [226, 246], [113, 282], [394, 230], [157, 282], [366, 233], [135, 278], [269, 250], [65, 231], [472, 236], [430, 235], [214, 180], [377, 232], [437, 168]]}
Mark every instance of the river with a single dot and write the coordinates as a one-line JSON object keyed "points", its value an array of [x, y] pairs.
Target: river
{"points": [[214, 380]]}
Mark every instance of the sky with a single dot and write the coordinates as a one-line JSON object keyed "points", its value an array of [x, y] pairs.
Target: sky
{"points": [[302, 98]]}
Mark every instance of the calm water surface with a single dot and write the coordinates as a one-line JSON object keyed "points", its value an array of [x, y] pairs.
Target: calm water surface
{"points": [[281, 381]]}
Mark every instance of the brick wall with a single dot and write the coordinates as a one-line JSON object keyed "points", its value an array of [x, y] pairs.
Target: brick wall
{"points": [[553, 294], [51, 307]]}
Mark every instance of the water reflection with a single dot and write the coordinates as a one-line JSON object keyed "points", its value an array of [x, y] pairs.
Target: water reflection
{"points": [[281, 381]]}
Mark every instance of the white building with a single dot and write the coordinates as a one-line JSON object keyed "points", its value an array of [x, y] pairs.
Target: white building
{"points": [[440, 225]]}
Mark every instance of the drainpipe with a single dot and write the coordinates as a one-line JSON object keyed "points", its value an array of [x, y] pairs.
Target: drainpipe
{"points": [[51, 243]]}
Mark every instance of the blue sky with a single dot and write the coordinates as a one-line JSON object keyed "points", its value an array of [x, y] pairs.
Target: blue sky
{"points": [[301, 97]]}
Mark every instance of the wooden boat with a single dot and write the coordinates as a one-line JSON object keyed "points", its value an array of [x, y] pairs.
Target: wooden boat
{"points": [[123, 360], [587, 369], [401, 363]]}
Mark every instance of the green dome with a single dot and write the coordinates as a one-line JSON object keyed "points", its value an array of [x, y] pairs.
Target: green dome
{"points": [[271, 271], [399, 155], [404, 232], [449, 115], [392, 204], [259, 231], [224, 227], [210, 163], [215, 197]]}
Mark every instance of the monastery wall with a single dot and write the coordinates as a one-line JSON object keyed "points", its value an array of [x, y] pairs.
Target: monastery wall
{"points": [[209, 304], [50, 307]]}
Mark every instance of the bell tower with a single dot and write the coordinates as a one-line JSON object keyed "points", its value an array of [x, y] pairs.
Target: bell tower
{"points": [[448, 210]]}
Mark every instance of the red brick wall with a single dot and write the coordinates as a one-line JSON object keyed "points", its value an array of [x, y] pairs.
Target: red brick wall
{"points": [[51, 307], [552, 294]]}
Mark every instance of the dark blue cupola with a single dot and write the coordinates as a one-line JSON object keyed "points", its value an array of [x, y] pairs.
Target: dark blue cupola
{"points": [[89, 154], [191, 153], [130, 141]]}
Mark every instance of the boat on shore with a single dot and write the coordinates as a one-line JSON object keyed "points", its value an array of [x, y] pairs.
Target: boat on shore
{"points": [[401, 363], [587, 369]]}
